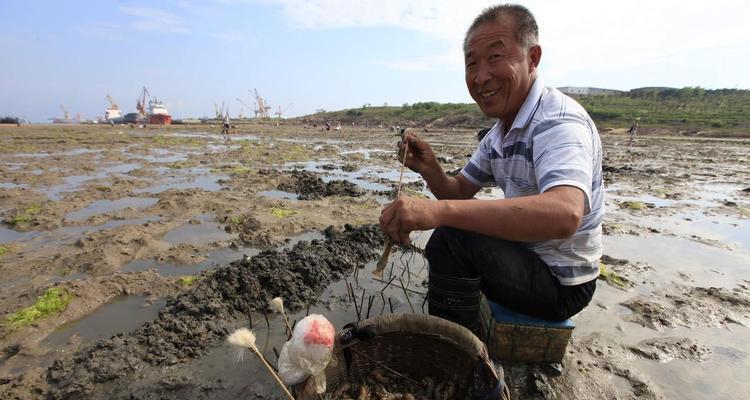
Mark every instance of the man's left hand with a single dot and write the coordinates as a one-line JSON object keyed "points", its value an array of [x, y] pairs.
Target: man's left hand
{"points": [[407, 214]]}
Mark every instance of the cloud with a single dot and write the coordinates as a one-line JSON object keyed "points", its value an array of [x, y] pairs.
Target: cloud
{"points": [[582, 35], [150, 19], [442, 19]]}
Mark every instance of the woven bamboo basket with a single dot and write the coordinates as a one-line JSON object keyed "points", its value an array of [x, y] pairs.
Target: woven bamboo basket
{"points": [[418, 346]]}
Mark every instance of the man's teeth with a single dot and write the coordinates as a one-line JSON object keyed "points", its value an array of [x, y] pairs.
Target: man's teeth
{"points": [[488, 94]]}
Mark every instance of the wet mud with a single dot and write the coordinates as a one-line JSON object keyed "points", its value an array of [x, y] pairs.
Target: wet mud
{"points": [[193, 322], [189, 224], [311, 187]]}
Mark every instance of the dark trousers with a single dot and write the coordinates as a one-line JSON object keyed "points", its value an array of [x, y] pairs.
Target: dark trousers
{"points": [[462, 262]]}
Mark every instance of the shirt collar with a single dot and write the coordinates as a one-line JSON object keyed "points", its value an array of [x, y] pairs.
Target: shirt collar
{"points": [[527, 108]]}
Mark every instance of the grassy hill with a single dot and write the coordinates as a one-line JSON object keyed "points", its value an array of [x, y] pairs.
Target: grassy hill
{"points": [[690, 108], [427, 114], [695, 108]]}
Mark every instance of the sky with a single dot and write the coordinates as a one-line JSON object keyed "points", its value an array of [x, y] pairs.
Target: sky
{"points": [[302, 56]]}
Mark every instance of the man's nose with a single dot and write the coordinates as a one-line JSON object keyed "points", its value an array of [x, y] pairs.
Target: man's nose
{"points": [[483, 74]]}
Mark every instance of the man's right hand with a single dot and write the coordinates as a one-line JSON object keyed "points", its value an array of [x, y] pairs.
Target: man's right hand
{"points": [[420, 157]]}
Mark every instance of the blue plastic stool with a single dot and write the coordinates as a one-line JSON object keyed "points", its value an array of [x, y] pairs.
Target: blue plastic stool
{"points": [[521, 338], [504, 315]]}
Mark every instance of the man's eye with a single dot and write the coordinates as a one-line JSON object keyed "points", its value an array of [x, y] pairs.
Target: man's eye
{"points": [[495, 57]]}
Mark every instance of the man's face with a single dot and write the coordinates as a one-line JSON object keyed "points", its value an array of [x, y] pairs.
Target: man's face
{"points": [[499, 70]]}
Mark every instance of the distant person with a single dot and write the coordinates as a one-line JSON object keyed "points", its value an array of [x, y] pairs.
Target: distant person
{"points": [[225, 125], [633, 130], [536, 251]]}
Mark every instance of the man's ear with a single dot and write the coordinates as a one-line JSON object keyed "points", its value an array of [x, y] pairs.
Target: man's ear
{"points": [[535, 56]]}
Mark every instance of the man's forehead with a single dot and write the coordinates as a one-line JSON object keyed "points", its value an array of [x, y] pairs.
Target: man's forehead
{"points": [[493, 39], [497, 32]]}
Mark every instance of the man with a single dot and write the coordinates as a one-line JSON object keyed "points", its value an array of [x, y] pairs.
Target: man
{"points": [[225, 125], [537, 250], [633, 130]]}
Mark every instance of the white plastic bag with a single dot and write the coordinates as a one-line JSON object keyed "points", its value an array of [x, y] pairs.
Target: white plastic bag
{"points": [[308, 352]]}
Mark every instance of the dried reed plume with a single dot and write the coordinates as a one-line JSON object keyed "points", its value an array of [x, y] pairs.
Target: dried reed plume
{"points": [[244, 338], [277, 305]]}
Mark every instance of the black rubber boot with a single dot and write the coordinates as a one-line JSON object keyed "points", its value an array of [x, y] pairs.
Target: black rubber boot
{"points": [[457, 300]]}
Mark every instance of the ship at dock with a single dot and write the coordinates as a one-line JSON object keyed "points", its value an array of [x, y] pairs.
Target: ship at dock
{"points": [[113, 112], [157, 113]]}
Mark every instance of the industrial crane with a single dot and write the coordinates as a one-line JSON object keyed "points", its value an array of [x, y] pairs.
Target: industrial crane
{"points": [[219, 112], [113, 111], [261, 111], [112, 104], [279, 111], [66, 114], [141, 102]]}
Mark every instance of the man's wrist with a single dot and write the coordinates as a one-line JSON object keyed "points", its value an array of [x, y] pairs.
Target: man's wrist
{"points": [[442, 212], [431, 172]]}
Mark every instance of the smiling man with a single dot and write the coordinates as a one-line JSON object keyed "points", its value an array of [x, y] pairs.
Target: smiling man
{"points": [[537, 250]]}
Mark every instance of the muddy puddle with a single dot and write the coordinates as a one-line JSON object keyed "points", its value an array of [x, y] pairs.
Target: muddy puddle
{"points": [[210, 259], [190, 178], [179, 212], [198, 230], [119, 316], [105, 206]]}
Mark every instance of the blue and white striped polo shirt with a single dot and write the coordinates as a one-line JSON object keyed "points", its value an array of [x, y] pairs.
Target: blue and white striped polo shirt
{"points": [[552, 142]]}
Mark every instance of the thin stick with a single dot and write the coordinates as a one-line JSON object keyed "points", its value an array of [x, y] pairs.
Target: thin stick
{"points": [[262, 309], [386, 285], [370, 300], [401, 175], [383, 260], [354, 299], [361, 305], [410, 290], [390, 305], [270, 369], [288, 327], [406, 294], [382, 296]]}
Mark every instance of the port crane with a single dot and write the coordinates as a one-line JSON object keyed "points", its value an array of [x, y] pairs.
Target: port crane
{"points": [[66, 114], [113, 111], [279, 111], [261, 110], [141, 102], [112, 104]]}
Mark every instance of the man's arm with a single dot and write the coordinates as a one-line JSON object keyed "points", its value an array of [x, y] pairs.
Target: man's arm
{"points": [[446, 187], [421, 159], [554, 214]]}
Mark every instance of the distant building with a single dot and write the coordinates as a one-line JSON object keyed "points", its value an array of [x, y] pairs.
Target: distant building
{"points": [[587, 91]]}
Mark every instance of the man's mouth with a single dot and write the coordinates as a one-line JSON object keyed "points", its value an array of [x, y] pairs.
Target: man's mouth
{"points": [[488, 93]]}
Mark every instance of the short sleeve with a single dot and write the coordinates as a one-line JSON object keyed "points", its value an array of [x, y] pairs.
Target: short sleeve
{"points": [[478, 170], [563, 156]]}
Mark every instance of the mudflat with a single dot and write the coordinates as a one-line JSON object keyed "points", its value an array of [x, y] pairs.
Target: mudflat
{"points": [[161, 241]]}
